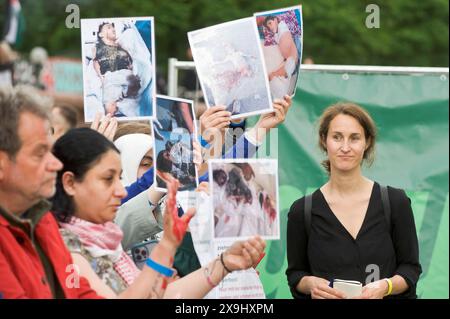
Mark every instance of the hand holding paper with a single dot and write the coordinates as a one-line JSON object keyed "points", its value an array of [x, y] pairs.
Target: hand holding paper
{"points": [[270, 120], [373, 290], [214, 118], [105, 125], [319, 288], [350, 288]]}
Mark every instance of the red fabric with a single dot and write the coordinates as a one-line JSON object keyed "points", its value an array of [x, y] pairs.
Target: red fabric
{"points": [[22, 274]]}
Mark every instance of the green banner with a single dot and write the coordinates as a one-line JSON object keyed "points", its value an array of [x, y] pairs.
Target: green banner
{"points": [[412, 116]]}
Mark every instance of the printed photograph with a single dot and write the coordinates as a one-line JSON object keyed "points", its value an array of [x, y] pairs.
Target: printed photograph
{"points": [[174, 130], [230, 67], [118, 57], [281, 38], [244, 196]]}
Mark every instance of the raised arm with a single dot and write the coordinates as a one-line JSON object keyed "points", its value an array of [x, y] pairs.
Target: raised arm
{"points": [[154, 278], [241, 255]]}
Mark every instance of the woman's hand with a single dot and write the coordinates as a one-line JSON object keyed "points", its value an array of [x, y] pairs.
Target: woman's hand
{"points": [[174, 226], [374, 290], [244, 254], [214, 117], [271, 120], [107, 126], [320, 289]]}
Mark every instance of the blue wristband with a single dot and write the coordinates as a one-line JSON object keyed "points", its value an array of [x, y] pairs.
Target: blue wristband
{"points": [[163, 270], [204, 143]]}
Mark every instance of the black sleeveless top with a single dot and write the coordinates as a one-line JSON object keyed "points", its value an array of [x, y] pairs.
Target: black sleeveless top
{"points": [[331, 252]]}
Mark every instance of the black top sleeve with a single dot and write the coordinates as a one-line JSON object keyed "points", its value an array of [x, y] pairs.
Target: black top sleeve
{"points": [[297, 248], [405, 240]]}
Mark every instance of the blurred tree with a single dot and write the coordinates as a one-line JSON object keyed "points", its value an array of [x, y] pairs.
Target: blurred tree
{"points": [[413, 33]]}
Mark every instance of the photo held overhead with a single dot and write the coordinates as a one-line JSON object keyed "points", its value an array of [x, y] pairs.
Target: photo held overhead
{"points": [[230, 67], [174, 133], [203, 150], [118, 56], [281, 36]]}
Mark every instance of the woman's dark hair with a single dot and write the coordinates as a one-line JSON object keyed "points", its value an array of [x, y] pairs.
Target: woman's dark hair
{"points": [[359, 114], [79, 150]]}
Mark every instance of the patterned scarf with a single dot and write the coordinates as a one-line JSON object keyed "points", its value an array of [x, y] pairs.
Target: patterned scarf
{"points": [[104, 240]]}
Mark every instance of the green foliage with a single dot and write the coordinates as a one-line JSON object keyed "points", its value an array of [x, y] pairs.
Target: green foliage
{"points": [[413, 33]]}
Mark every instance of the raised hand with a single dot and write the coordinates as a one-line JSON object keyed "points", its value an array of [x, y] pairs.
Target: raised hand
{"points": [[174, 226], [215, 117], [271, 120], [106, 126]]}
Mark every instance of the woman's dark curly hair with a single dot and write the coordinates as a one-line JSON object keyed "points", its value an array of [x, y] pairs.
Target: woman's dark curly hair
{"points": [[79, 150]]}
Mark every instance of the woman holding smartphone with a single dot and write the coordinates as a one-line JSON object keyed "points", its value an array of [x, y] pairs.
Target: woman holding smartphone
{"points": [[345, 232]]}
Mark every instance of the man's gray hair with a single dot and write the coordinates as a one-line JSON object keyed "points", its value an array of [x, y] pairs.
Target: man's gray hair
{"points": [[13, 102]]}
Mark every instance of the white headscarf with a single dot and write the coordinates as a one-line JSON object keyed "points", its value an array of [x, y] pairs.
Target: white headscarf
{"points": [[132, 149]]}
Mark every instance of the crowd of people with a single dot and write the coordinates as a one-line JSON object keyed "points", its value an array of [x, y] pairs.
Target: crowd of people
{"points": [[77, 204], [81, 217], [57, 242]]}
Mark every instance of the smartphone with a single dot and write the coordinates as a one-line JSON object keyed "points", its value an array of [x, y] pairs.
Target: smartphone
{"points": [[140, 252]]}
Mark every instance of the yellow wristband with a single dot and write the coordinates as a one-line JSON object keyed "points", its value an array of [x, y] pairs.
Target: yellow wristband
{"points": [[389, 282]]}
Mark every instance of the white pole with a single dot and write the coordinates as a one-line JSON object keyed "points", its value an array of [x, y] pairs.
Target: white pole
{"points": [[172, 81]]}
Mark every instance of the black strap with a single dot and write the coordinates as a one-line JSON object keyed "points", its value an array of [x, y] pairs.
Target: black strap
{"points": [[386, 206], [308, 208]]}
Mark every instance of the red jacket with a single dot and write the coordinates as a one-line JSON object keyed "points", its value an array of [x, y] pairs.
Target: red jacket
{"points": [[22, 274]]}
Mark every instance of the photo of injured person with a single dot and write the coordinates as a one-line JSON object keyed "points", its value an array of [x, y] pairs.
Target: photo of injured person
{"points": [[174, 130], [244, 196], [118, 67], [281, 37], [230, 67]]}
